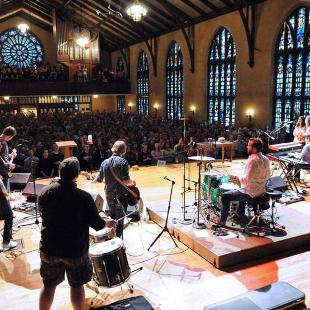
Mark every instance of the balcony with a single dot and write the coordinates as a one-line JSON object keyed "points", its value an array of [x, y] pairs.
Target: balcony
{"points": [[41, 88]]}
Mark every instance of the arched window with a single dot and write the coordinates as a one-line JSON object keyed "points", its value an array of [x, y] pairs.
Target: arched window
{"points": [[174, 82], [292, 69], [143, 100], [222, 79], [19, 49], [121, 104]]}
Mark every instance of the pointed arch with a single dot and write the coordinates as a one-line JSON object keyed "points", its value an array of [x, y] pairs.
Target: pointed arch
{"points": [[292, 68], [222, 78], [143, 99], [174, 82]]}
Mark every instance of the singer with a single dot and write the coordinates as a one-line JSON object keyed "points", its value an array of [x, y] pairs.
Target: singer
{"points": [[300, 130]]}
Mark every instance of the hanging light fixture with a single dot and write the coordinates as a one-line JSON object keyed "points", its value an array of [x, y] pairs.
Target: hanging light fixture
{"points": [[23, 27], [136, 11], [83, 39]]}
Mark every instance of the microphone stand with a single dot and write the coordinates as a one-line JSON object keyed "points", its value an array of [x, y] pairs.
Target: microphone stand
{"points": [[166, 223]]}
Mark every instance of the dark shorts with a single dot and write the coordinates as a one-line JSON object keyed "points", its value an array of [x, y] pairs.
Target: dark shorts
{"points": [[78, 270]]}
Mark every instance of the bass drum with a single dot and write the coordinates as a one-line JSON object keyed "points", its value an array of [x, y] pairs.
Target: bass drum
{"points": [[110, 262]]}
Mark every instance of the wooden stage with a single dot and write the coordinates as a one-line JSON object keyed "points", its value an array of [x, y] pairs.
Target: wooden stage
{"points": [[236, 247], [172, 278]]}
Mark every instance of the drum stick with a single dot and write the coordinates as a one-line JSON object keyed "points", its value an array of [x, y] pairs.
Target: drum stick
{"points": [[120, 219]]}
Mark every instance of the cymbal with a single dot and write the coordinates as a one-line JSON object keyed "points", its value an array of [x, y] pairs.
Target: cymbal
{"points": [[202, 158]]}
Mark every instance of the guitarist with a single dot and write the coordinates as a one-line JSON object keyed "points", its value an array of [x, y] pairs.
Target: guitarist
{"points": [[116, 193], [6, 165]]}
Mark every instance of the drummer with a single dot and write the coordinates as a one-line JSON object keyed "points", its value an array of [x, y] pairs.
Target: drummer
{"points": [[67, 212], [253, 180]]}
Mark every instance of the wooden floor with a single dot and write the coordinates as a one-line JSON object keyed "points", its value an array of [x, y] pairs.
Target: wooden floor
{"points": [[172, 278]]}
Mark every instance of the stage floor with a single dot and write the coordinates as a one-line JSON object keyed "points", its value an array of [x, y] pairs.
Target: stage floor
{"points": [[172, 278], [236, 247]]}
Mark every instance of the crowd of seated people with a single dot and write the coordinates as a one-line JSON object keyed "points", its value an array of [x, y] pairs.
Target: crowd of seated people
{"points": [[103, 74], [45, 72], [149, 139]]}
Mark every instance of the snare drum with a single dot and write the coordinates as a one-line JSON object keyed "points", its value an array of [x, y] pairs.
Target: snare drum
{"points": [[96, 236], [227, 187], [110, 262]]}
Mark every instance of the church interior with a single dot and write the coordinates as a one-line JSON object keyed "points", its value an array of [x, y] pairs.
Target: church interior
{"points": [[155, 154]]}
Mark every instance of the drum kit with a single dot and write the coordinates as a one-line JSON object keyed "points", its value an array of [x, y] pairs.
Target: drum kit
{"points": [[109, 260], [211, 186]]}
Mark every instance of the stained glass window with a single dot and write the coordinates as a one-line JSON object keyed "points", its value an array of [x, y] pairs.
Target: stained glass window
{"points": [[121, 104], [19, 49], [174, 82], [143, 100], [292, 69], [222, 79]]}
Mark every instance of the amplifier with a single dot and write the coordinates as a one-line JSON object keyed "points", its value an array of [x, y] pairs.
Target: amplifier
{"points": [[279, 295]]}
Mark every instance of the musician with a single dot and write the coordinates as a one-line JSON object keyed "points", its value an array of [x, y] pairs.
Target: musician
{"points": [[6, 214], [307, 134], [6, 165], [300, 130], [305, 153], [253, 181], [116, 193], [67, 212]]}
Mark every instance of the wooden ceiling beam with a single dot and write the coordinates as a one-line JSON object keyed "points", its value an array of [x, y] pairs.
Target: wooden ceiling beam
{"points": [[210, 5], [77, 19], [175, 10], [194, 7], [158, 16], [129, 31], [115, 31]]}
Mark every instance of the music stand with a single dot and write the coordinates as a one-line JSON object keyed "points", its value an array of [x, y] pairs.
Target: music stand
{"points": [[166, 223]]}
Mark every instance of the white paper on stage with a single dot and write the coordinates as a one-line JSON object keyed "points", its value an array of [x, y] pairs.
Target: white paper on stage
{"points": [[230, 235]]}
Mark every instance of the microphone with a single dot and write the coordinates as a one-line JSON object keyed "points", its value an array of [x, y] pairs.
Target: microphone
{"points": [[166, 178]]}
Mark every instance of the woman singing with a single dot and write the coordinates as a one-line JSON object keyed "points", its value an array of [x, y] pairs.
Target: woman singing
{"points": [[300, 130]]}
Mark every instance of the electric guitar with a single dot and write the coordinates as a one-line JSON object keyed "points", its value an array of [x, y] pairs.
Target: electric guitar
{"points": [[12, 157]]}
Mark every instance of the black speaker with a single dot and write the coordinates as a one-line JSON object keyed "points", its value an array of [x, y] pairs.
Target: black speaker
{"points": [[277, 183], [98, 200], [19, 180], [279, 295]]}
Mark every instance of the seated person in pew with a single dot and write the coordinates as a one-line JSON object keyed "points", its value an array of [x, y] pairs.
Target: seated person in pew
{"points": [[253, 181]]}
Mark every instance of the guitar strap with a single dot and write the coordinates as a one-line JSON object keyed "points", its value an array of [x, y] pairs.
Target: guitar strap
{"points": [[119, 180]]}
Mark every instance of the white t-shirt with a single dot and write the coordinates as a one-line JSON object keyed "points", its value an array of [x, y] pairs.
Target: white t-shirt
{"points": [[255, 175]]}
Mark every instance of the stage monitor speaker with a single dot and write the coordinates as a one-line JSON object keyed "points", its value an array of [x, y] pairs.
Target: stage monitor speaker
{"points": [[29, 190], [279, 295], [98, 200], [277, 183], [19, 180]]}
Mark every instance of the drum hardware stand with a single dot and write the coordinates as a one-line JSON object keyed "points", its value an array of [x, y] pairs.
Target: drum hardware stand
{"points": [[184, 220], [165, 228], [197, 224], [195, 189]]}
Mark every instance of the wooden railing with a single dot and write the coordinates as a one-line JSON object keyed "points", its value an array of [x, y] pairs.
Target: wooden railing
{"points": [[37, 88]]}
